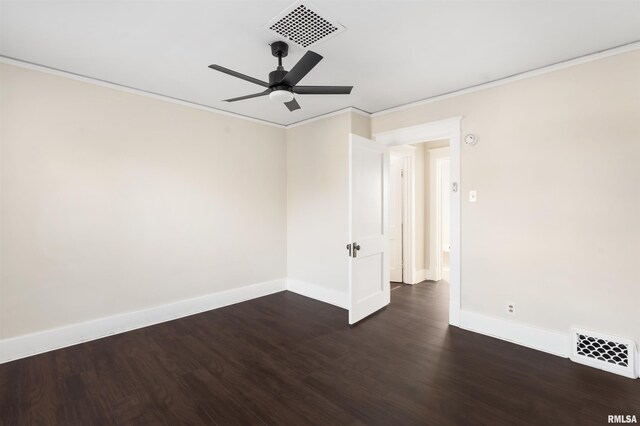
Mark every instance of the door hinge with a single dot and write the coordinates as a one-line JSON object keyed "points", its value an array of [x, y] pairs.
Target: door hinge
{"points": [[454, 187], [401, 172]]}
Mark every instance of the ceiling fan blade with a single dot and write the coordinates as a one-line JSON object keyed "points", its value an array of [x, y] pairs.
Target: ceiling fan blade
{"points": [[292, 105], [239, 75], [302, 68], [255, 95], [322, 90]]}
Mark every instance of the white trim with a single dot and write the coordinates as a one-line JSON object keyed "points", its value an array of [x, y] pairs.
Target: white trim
{"points": [[541, 339], [327, 115], [516, 77], [320, 293], [423, 275], [48, 340], [425, 132], [127, 89], [409, 219], [360, 112], [436, 156], [443, 129], [429, 275]]}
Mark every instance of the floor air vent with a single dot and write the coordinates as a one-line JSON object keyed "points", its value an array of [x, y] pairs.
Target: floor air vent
{"points": [[303, 25], [608, 353]]}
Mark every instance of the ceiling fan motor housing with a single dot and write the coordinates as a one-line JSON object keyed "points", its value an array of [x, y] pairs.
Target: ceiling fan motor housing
{"points": [[275, 77], [279, 49]]}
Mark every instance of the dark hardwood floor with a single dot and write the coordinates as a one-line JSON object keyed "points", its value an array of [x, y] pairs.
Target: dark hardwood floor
{"points": [[288, 360], [395, 285]]}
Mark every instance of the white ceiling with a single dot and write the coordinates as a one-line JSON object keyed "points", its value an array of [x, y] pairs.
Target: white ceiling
{"points": [[393, 52]]}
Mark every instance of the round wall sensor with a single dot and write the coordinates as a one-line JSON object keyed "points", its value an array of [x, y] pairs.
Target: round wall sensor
{"points": [[471, 139]]}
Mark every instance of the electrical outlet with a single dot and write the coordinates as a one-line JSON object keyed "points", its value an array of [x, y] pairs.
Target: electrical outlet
{"points": [[511, 308]]}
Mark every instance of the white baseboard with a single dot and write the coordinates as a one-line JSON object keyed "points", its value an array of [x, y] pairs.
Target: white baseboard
{"points": [[32, 344], [532, 337], [424, 274], [323, 294], [419, 275]]}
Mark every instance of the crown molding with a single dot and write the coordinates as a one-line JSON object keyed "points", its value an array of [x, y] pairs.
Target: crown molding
{"points": [[516, 77], [127, 89], [327, 115]]}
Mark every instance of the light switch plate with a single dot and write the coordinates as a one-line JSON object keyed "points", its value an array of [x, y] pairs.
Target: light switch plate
{"points": [[473, 196]]}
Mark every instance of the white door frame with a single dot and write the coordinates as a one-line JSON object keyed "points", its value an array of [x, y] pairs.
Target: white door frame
{"points": [[435, 130], [408, 154], [435, 211]]}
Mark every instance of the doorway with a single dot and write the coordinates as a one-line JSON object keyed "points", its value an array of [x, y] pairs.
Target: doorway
{"points": [[447, 243], [401, 227], [419, 212]]}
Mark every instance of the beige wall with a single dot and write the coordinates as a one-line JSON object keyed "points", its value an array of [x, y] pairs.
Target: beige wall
{"points": [[317, 203], [361, 125], [556, 226], [113, 202]]}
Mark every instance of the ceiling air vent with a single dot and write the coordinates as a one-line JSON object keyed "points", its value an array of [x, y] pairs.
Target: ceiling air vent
{"points": [[608, 353], [303, 25]]}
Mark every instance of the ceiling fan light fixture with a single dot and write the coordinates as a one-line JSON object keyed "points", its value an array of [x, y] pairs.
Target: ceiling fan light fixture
{"points": [[281, 96]]}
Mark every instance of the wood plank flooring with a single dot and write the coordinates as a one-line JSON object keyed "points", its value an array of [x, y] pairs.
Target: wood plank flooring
{"points": [[288, 360], [395, 285]]}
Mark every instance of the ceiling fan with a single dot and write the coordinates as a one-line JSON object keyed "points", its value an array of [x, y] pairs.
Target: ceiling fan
{"points": [[282, 83]]}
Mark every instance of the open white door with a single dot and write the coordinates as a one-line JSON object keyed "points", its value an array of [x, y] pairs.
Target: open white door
{"points": [[369, 243]]}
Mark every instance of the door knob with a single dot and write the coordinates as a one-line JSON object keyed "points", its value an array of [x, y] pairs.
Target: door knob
{"points": [[353, 249]]}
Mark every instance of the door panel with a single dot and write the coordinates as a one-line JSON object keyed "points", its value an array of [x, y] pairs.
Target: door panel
{"points": [[367, 277], [368, 182], [368, 193]]}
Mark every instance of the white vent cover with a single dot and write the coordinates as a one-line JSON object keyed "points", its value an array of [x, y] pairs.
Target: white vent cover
{"points": [[303, 25], [608, 353]]}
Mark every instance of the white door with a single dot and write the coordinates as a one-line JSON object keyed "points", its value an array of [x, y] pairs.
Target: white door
{"points": [[369, 288], [396, 215]]}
